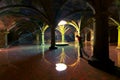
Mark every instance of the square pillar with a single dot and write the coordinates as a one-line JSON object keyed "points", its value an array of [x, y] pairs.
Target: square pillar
{"points": [[100, 58], [3, 39]]}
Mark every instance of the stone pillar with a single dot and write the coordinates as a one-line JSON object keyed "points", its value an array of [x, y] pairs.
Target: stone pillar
{"points": [[52, 37], [93, 32], [3, 39], [63, 37], [37, 38], [75, 34], [92, 37], [43, 40], [100, 58], [86, 35], [118, 44]]}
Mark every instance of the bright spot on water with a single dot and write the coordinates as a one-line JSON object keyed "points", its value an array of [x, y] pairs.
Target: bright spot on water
{"points": [[61, 66]]}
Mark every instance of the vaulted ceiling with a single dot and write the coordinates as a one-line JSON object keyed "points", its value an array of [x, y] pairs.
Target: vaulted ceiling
{"points": [[45, 8], [48, 11]]}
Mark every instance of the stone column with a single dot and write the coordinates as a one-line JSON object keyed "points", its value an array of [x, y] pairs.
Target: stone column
{"points": [[92, 37], [100, 58], [93, 32], [43, 40], [86, 35], [75, 34], [3, 39], [118, 44], [52, 37], [37, 38]]}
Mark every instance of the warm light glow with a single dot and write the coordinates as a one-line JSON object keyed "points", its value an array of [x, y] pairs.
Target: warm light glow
{"points": [[62, 44], [61, 66], [76, 26], [62, 22], [62, 29]]}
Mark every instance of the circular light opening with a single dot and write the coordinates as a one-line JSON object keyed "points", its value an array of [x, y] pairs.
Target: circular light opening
{"points": [[61, 66], [62, 22]]}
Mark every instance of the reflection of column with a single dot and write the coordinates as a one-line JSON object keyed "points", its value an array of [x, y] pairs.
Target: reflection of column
{"points": [[62, 56], [78, 52], [118, 54], [43, 50], [118, 45], [4, 39]]}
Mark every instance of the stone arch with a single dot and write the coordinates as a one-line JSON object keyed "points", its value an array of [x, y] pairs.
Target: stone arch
{"points": [[88, 34], [23, 27], [23, 10], [16, 11], [91, 7]]}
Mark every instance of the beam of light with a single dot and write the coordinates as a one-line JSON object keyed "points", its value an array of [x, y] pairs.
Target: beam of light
{"points": [[61, 66]]}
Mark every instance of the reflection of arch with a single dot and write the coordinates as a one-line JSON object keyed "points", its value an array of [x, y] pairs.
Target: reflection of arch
{"points": [[61, 58]]}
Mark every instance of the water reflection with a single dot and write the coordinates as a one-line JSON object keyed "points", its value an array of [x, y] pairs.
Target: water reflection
{"points": [[118, 54], [69, 55], [64, 58]]}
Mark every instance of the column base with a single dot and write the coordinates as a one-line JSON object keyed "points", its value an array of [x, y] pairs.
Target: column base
{"points": [[4, 46], [52, 47], [103, 64], [118, 47]]}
